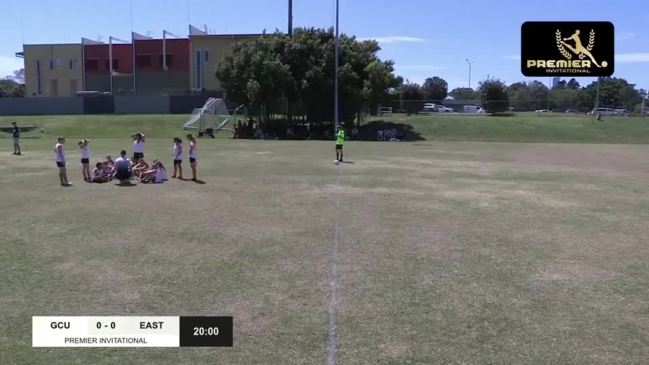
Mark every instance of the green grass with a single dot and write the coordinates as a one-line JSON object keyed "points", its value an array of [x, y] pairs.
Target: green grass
{"points": [[450, 252], [528, 127], [522, 127]]}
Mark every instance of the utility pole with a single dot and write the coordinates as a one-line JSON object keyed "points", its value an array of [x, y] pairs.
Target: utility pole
{"points": [[644, 97]]}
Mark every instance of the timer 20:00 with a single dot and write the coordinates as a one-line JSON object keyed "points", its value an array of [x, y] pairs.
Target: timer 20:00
{"points": [[209, 331]]}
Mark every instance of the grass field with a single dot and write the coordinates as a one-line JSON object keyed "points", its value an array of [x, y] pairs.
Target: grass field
{"points": [[523, 127], [448, 252]]}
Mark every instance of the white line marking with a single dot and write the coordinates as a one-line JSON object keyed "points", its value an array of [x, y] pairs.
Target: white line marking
{"points": [[333, 285]]}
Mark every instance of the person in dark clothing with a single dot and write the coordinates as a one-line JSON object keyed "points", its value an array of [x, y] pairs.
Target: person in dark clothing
{"points": [[15, 132]]}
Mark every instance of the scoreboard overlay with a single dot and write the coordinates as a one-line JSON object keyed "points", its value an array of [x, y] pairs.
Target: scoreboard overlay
{"points": [[131, 331]]}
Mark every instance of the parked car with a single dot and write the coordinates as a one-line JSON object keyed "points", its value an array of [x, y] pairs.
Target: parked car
{"points": [[572, 111], [621, 112], [602, 111], [430, 107], [471, 109], [542, 111], [444, 109]]}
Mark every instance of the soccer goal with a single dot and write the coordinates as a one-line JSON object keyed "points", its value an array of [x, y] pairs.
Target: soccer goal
{"points": [[213, 116]]}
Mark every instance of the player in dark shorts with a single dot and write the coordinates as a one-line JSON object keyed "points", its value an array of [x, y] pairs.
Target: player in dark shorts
{"points": [[340, 140], [15, 132], [59, 153], [193, 155], [178, 157]]}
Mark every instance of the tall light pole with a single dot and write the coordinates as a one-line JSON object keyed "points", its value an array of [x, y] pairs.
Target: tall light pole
{"points": [[469, 63], [290, 18], [644, 98], [336, 55]]}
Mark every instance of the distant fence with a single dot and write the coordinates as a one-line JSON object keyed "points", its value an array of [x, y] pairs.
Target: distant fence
{"points": [[105, 104], [36, 106]]}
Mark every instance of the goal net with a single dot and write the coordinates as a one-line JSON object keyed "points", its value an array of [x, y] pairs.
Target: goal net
{"points": [[213, 115]]}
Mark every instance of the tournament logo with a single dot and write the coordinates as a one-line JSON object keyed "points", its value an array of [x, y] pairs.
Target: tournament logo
{"points": [[588, 51]]}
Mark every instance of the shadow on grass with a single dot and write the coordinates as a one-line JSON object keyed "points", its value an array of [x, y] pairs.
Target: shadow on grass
{"points": [[404, 132], [200, 182], [125, 185]]}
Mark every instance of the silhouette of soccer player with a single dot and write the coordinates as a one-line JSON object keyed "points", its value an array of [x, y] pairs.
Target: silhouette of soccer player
{"points": [[578, 48]]}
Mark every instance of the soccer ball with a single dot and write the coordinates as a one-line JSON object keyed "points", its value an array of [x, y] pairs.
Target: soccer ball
{"points": [[336, 162]]}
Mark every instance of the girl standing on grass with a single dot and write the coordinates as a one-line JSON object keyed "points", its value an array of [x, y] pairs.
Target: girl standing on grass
{"points": [[178, 157], [193, 153], [59, 153], [85, 160], [138, 146]]}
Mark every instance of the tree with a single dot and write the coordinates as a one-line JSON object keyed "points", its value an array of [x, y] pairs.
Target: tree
{"points": [[539, 94], [11, 89], [435, 88], [519, 95], [494, 96], [380, 79], [256, 76], [613, 92], [412, 97], [464, 93], [301, 69], [564, 99], [573, 84]]}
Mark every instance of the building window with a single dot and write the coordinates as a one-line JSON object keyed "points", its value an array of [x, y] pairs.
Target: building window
{"points": [[207, 55], [92, 64], [169, 58], [144, 60], [51, 64], [115, 64]]}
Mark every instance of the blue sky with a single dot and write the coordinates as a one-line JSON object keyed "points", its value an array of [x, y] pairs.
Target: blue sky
{"points": [[425, 38]]}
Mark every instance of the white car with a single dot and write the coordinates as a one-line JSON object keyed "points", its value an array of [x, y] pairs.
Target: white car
{"points": [[603, 111], [444, 109], [430, 107]]}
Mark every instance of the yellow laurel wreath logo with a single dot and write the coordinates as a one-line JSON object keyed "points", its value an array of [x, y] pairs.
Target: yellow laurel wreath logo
{"points": [[563, 51]]}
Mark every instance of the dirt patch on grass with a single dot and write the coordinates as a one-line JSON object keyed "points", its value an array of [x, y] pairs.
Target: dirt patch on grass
{"points": [[600, 159], [574, 272], [485, 197], [395, 350], [251, 319]]}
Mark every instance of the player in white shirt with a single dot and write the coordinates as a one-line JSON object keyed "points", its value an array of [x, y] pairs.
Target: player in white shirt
{"points": [[85, 160], [138, 146], [178, 158], [193, 155], [123, 171], [59, 153]]}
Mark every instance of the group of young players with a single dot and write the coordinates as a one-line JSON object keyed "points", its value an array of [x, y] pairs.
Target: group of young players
{"points": [[123, 169]]}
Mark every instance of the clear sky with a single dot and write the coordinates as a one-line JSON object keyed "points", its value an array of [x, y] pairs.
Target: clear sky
{"points": [[424, 37]]}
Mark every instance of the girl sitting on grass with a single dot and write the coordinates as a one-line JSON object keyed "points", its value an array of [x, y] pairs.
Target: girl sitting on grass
{"points": [[99, 175]]}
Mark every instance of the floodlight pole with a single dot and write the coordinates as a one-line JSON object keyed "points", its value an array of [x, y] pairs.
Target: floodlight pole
{"points": [[469, 63], [290, 18], [644, 97], [336, 55]]}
